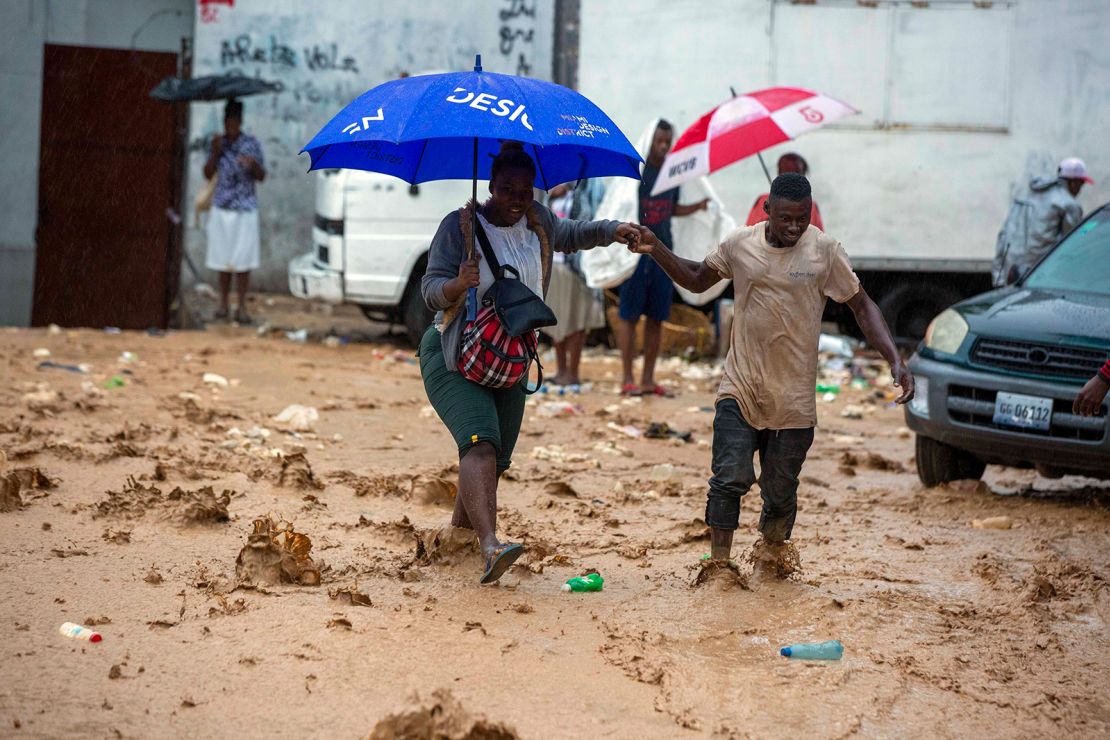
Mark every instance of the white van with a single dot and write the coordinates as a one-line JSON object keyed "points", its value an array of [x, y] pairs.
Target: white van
{"points": [[370, 241]]}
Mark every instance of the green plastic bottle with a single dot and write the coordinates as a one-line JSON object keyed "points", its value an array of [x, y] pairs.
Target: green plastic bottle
{"points": [[828, 388], [592, 582]]}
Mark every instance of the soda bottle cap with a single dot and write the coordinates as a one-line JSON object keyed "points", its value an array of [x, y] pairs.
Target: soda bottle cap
{"points": [[785, 652]]}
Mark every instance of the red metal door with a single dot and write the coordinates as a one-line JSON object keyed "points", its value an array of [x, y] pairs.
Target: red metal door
{"points": [[106, 178]]}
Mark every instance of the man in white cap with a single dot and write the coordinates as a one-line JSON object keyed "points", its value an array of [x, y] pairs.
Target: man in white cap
{"points": [[1040, 215]]}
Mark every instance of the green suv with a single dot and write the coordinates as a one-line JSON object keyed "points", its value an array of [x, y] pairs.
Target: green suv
{"points": [[996, 374]]}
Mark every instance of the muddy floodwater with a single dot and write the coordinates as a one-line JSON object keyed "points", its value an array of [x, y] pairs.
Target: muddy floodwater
{"points": [[253, 580]]}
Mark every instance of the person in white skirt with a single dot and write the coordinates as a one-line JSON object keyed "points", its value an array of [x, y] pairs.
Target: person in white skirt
{"points": [[577, 307], [233, 241]]}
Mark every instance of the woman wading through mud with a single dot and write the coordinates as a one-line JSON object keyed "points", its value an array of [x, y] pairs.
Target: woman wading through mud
{"points": [[485, 420]]}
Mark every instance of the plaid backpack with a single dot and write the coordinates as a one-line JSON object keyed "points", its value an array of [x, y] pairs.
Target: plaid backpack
{"points": [[490, 356], [499, 345]]}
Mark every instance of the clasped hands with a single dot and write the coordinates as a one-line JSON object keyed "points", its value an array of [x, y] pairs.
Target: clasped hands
{"points": [[637, 238]]}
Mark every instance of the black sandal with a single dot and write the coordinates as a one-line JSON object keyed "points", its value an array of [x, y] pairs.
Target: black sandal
{"points": [[500, 561]]}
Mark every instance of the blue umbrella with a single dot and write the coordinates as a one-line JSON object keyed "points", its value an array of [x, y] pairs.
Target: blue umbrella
{"points": [[450, 126], [428, 128]]}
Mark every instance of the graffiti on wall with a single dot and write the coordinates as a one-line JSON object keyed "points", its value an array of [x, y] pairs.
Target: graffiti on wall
{"points": [[318, 57], [517, 34], [324, 55]]}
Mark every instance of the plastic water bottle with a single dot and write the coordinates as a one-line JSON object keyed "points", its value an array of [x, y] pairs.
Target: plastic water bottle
{"points": [[831, 650], [592, 582], [77, 632]]}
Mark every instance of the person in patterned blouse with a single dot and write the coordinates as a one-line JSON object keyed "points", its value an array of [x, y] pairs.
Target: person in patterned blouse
{"points": [[233, 239]]}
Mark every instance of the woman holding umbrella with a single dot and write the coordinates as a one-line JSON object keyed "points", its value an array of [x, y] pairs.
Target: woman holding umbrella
{"points": [[485, 421], [449, 126]]}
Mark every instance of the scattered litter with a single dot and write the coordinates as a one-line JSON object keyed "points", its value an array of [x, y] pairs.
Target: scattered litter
{"points": [[627, 430], [556, 453], [558, 408], [54, 329], [126, 358], [700, 371], [993, 522], [214, 379], [612, 448], [112, 330], [299, 336], [852, 411], [298, 418], [663, 430], [588, 582], [665, 473], [828, 388], [51, 365], [41, 353], [831, 650], [332, 341], [116, 381], [78, 632], [836, 345]]}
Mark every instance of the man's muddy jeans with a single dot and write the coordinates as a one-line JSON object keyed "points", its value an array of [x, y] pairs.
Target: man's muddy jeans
{"points": [[781, 454]]}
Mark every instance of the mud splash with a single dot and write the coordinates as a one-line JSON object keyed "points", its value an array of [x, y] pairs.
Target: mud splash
{"points": [[202, 506], [777, 561], [275, 555], [439, 717]]}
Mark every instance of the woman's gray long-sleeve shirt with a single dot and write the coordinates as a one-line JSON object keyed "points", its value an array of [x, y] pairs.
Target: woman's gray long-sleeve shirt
{"points": [[448, 251]]}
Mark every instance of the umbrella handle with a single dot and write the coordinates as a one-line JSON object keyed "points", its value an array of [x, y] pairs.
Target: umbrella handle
{"points": [[471, 304]]}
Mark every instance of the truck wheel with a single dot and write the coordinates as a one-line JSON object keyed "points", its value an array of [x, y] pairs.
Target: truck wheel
{"points": [[939, 463], [908, 308], [414, 312]]}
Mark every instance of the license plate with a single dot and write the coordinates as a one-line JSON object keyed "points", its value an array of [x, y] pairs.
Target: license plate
{"points": [[1024, 412]]}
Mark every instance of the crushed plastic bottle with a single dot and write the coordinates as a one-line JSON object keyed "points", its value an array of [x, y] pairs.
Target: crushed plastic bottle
{"points": [[78, 632], [591, 582], [831, 650]]}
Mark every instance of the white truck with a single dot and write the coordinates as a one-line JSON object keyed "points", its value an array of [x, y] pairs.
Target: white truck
{"points": [[370, 240], [959, 99]]}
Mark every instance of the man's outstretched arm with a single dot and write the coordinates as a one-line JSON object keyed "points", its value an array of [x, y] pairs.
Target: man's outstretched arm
{"points": [[696, 277], [874, 327]]}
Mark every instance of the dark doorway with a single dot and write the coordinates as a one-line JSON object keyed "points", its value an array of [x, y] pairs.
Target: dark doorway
{"points": [[107, 175]]}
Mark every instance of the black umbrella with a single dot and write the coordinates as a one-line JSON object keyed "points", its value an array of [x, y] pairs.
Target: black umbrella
{"points": [[212, 87]]}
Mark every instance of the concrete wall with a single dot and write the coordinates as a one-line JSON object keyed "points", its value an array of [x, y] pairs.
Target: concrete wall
{"points": [[957, 102], [325, 55], [25, 26]]}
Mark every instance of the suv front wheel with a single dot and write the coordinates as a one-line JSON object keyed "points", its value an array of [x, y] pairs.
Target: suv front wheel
{"points": [[940, 463]]}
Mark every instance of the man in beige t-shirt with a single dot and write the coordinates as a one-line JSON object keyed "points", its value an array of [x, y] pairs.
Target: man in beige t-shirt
{"points": [[783, 270]]}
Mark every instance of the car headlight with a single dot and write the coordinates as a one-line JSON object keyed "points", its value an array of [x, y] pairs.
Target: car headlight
{"points": [[946, 333], [919, 404]]}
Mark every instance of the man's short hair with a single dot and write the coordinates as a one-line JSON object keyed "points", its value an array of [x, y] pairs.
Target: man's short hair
{"points": [[664, 125], [790, 186]]}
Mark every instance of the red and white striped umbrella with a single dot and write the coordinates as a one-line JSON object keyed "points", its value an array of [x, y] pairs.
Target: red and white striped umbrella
{"points": [[743, 126]]}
